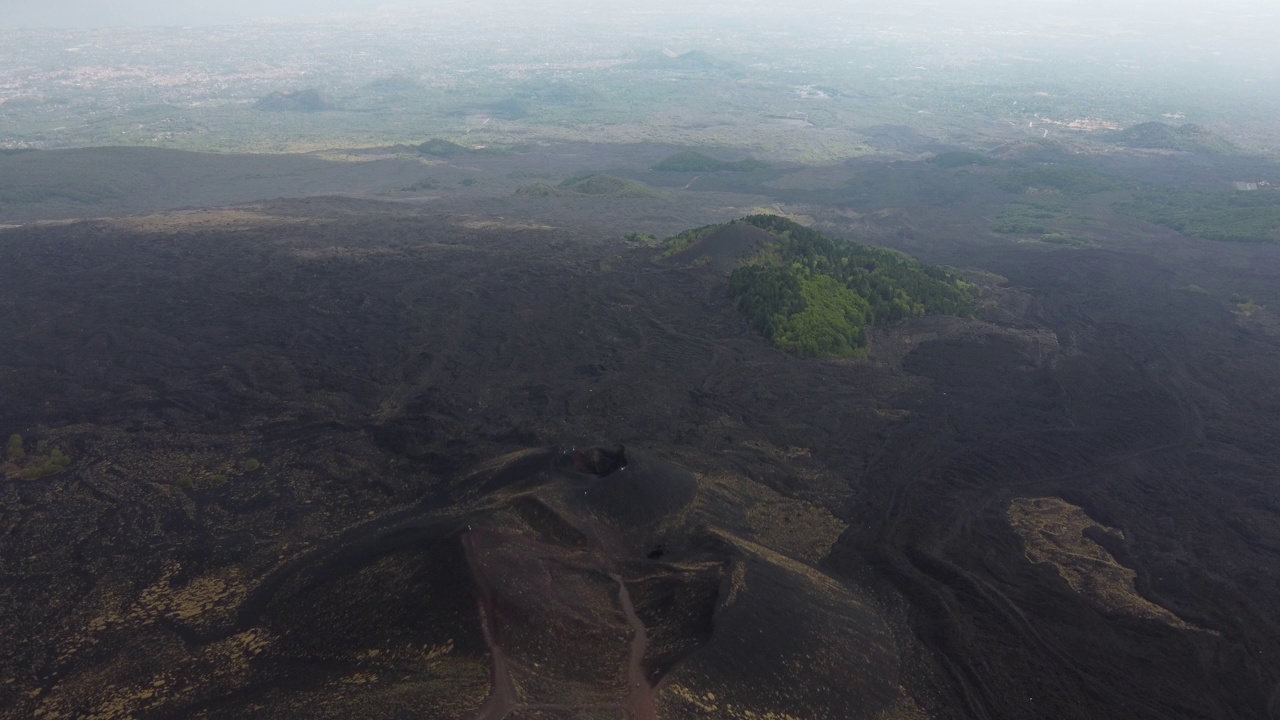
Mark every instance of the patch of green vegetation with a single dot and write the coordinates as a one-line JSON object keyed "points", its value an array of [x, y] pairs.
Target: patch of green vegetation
{"points": [[1196, 289], [1222, 215], [43, 462], [16, 450], [218, 479], [467, 182], [443, 148], [639, 237], [1072, 182], [815, 296], [960, 158], [802, 313], [251, 464], [608, 186], [1026, 219], [675, 243], [1186, 138], [55, 462], [184, 482], [693, 161], [1245, 304]]}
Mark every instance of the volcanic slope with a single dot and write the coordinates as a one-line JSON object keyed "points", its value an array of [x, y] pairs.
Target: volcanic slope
{"points": [[346, 459], [293, 488]]}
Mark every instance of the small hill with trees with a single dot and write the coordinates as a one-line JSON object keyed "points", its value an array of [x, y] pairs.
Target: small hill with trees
{"points": [[1184, 138], [723, 247], [438, 147], [693, 161], [815, 296], [310, 100]]}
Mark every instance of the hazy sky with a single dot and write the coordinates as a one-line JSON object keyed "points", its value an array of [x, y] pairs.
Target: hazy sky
{"points": [[108, 13], [97, 13]]}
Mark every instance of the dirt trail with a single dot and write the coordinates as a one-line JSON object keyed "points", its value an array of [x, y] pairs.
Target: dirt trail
{"points": [[503, 698], [502, 693], [640, 704]]}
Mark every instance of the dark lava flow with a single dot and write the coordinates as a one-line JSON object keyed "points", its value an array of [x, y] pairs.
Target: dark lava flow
{"points": [[779, 535]]}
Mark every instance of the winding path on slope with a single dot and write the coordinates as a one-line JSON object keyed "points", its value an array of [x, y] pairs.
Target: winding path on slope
{"points": [[504, 697]]}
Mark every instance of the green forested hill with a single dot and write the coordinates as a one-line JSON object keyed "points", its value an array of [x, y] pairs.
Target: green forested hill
{"points": [[692, 161], [813, 295], [1186, 138]]}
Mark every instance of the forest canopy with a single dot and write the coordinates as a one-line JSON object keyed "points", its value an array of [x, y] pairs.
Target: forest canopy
{"points": [[816, 296], [1225, 215], [1072, 182], [692, 161]]}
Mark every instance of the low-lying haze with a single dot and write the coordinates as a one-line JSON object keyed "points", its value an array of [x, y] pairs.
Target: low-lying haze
{"points": [[1245, 16]]}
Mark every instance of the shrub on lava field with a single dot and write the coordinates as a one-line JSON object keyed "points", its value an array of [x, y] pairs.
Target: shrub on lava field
{"points": [[56, 462], [15, 448]]}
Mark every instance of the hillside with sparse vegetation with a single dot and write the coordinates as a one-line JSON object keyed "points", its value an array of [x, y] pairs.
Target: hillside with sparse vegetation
{"points": [[815, 296]]}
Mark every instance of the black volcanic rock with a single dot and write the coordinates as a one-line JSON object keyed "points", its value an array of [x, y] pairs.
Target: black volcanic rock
{"points": [[780, 536]]}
